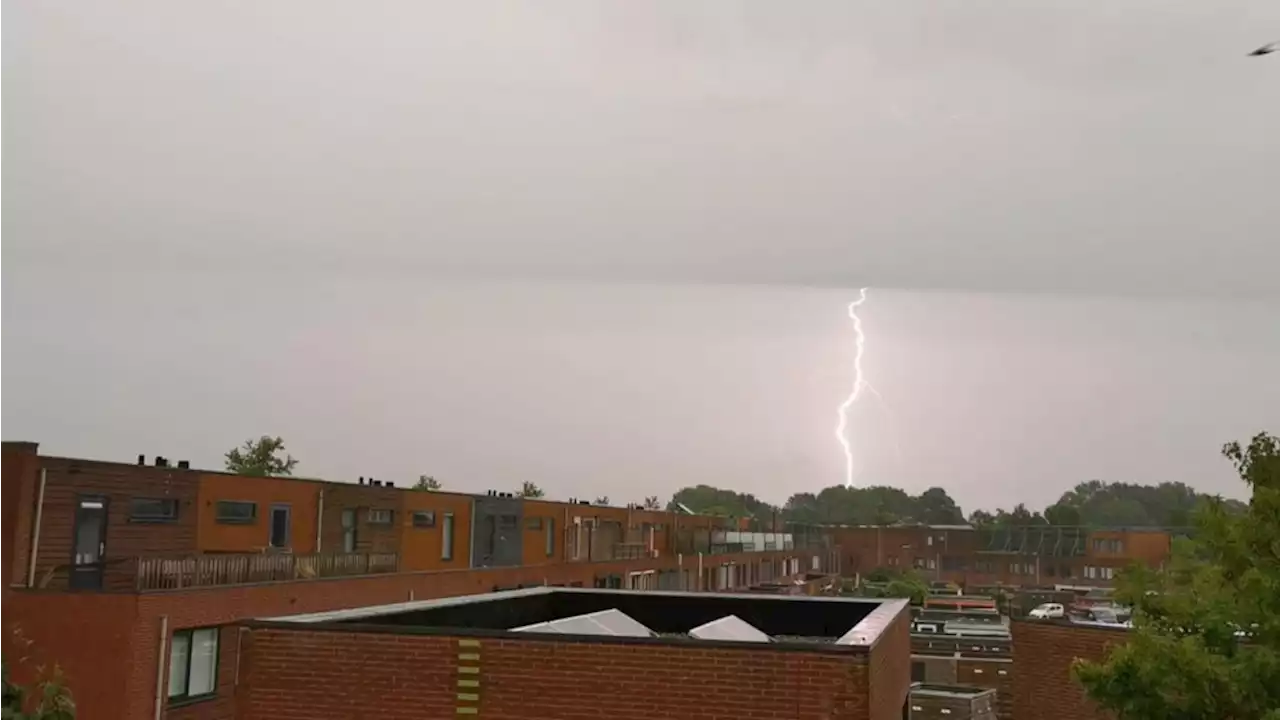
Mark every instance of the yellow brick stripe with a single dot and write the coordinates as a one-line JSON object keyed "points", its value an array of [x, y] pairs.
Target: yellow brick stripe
{"points": [[468, 697]]}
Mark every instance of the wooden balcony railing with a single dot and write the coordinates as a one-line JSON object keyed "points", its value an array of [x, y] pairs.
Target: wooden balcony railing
{"points": [[221, 570]]}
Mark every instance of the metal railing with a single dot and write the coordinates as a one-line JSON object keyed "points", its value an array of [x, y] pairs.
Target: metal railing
{"points": [[220, 570]]}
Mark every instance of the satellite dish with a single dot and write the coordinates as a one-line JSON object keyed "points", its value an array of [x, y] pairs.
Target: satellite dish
{"points": [[1266, 49]]}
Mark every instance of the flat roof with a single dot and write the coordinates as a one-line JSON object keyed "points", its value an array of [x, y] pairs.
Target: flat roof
{"points": [[797, 622]]}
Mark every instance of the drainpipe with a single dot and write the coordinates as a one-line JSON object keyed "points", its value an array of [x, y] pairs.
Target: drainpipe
{"points": [[160, 663], [319, 519], [35, 530]]}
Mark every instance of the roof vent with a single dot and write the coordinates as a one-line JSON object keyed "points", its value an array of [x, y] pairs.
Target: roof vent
{"points": [[184, 464], [731, 628], [161, 462], [361, 480], [142, 459], [390, 484]]}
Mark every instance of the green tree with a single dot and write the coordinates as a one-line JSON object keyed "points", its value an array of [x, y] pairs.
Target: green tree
{"points": [[48, 699], [261, 458], [1206, 639], [529, 490], [427, 483]]}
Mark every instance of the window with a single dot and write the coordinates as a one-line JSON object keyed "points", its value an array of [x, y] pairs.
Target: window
{"points": [[380, 516], [508, 522], [193, 664], [551, 537], [1108, 545], [533, 523], [348, 530], [446, 542], [236, 512], [424, 518], [153, 510], [1099, 573]]}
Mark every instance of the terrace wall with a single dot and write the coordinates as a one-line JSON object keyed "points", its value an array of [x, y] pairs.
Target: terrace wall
{"points": [[397, 675], [1043, 652]]}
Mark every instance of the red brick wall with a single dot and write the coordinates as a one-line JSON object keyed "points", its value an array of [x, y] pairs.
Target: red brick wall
{"points": [[1042, 656], [20, 471], [294, 674], [890, 669], [89, 636]]}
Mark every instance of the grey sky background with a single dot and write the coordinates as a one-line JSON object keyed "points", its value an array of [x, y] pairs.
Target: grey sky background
{"points": [[225, 219]]}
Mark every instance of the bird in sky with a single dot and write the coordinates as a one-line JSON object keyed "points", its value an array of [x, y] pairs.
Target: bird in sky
{"points": [[1266, 49]]}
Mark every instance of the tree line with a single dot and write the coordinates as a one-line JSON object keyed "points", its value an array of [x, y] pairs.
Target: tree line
{"points": [[1093, 503]]}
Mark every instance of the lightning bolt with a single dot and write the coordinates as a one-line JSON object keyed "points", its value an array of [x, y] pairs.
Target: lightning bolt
{"points": [[859, 384]]}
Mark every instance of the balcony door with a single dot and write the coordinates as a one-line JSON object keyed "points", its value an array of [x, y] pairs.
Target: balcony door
{"points": [[88, 543]]}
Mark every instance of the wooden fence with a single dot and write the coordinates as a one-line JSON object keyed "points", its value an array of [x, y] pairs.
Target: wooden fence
{"points": [[216, 570]]}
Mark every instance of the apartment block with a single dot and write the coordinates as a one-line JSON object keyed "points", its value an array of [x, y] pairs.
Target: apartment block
{"points": [[583, 653], [1039, 556], [134, 577]]}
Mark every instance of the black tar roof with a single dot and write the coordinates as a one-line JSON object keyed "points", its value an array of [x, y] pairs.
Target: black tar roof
{"points": [[845, 623]]}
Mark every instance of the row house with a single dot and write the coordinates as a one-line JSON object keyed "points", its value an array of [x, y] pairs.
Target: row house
{"points": [[134, 577], [1032, 556]]}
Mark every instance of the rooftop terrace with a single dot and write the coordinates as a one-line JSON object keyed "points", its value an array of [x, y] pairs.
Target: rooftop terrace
{"points": [[598, 615]]}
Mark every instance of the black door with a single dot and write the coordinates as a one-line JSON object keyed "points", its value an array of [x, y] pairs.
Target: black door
{"points": [[280, 526], [88, 543]]}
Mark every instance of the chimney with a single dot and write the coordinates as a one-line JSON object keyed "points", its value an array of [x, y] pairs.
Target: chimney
{"points": [[142, 459], [184, 464]]}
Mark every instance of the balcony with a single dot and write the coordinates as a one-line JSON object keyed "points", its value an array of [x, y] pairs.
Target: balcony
{"points": [[203, 571]]}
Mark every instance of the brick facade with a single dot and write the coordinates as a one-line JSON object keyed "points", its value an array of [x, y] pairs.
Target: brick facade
{"points": [[1043, 652], [109, 641], [318, 674]]}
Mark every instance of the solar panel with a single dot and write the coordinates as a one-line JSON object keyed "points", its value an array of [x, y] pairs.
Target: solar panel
{"points": [[603, 622], [731, 628]]}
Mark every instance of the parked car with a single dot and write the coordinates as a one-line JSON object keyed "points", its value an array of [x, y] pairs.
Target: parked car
{"points": [[1048, 610]]}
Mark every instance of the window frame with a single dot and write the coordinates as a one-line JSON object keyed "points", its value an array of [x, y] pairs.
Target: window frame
{"points": [[221, 519], [186, 698], [391, 516], [533, 522], [154, 519], [428, 517], [550, 540]]}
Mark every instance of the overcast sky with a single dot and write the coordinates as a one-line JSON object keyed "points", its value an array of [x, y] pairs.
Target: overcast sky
{"points": [[607, 246]]}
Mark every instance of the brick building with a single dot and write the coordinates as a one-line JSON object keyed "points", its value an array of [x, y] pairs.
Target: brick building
{"points": [[583, 653], [117, 571], [972, 557], [1043, 651]]}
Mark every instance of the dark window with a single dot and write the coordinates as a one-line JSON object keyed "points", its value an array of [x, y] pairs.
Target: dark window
{"points": [[917, 672], [424, 518], [154, 510], [551, 537], [193, 664], [533, 523], [380, 516], [235, 512], [507, 522]]}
